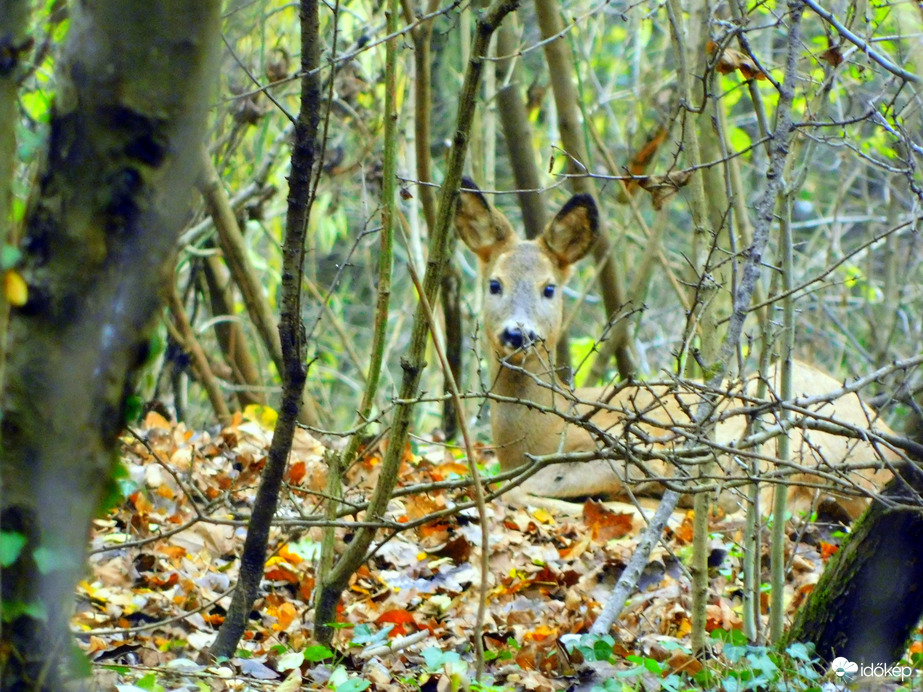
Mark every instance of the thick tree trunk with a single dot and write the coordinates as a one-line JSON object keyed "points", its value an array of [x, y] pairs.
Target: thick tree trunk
{"points": [[14, 42], [133, 85], [870, 598]]}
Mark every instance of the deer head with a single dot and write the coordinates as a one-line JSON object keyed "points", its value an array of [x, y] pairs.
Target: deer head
{"points": [[523, 278]]}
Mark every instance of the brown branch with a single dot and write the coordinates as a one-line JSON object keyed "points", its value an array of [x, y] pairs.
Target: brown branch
{"points": [[236, 256], [413, 363], [190, 344], [291, 336]]}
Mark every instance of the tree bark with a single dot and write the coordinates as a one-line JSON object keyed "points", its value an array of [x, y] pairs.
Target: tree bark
{"points": [[129, 117], [230, 334], [870, 598], [292, 337]]}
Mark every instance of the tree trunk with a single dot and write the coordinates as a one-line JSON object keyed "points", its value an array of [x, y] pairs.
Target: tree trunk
{"points": [[567, 101], [870, 598], [230, 334], [14, 42], [133, 85], [292, 337]]}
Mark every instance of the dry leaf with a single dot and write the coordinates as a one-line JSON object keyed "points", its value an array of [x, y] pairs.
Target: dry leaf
{"points": [[605, 524], [732, 59], [833, 55], [662, 187]]}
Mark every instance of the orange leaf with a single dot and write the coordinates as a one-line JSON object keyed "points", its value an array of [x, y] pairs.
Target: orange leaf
{"points": [[604, 523], [141, 503], [450, 468], [306, 588], [290, 557], [158, 582], [296, 472], [165, 491], [154, 420], [828, 550], [525, 659], [398, 618], [638, 163], [213, 619], [541, 633], [174, 551], [281, 572], [285, 615], [683, 532]]}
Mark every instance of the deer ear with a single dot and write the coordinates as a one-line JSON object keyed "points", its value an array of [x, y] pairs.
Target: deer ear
{"points": [[481, 227], [572, 233]]}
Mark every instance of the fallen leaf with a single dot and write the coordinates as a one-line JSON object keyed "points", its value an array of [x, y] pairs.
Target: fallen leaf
{"points": [[401, 619], [605, 524]]}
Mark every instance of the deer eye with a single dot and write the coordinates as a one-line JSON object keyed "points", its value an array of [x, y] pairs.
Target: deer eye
{"points": [[494, 287], [549, 291]]}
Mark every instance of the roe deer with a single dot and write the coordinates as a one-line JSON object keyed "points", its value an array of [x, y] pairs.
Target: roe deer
{"points": [[533, 413]]}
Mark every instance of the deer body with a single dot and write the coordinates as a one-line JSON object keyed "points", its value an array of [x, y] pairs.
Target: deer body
{"points": [[532, 413]]}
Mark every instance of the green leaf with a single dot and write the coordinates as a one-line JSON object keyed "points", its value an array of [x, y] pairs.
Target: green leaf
{"points": [[48, 560], [11, 610], [11, 545], [317, 653], [363, 635], [9, 256], [435, 658], [149, 682], [353, 685]]}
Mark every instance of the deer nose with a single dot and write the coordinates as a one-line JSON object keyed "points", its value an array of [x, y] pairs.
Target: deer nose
{"points": [[515, 338]]}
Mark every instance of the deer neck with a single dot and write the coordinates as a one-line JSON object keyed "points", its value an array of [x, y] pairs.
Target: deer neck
{"points": [[523, 421]]}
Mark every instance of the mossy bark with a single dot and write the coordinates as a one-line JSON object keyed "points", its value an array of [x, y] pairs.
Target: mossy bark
{"points": [[129, 115], [870, 598]]}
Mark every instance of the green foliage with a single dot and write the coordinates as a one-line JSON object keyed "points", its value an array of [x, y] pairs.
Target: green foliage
{"points": [[11, 545], [149, 683], [363, 635], [595, 648], [763, 668], [738, 666], [118, 487], [341, 682], [11, 610]]}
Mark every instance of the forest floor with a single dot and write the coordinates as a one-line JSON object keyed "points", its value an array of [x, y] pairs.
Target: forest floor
{"points": [[163, 563]]}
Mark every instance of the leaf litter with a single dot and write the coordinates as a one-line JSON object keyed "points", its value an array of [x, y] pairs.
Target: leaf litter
{"points": [[164, 562]]}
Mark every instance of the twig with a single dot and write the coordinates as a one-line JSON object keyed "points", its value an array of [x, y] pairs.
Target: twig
{"points": [[472, 466], [862, 45], [413, 364], [765, 206]]}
